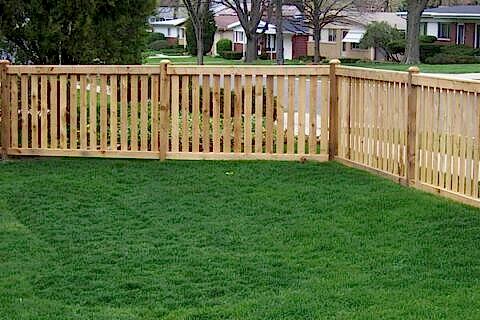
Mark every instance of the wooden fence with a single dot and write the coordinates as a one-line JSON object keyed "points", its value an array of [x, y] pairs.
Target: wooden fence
{"points": [[417, 129]]}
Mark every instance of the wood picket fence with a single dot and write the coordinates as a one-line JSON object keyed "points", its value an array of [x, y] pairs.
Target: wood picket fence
{"points": [[417, 129]]}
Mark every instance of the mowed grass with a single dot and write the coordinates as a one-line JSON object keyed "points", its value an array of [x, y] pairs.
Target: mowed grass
{"points": [[426, 68], [119, 239]]}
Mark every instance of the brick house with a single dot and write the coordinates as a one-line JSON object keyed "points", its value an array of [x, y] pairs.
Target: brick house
{"points": [[452, 25]]}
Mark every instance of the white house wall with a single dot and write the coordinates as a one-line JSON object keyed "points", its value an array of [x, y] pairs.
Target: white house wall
{"points": [[287, 47]]}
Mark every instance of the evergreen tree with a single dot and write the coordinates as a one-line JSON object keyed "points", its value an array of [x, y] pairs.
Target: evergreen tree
{"points": [[208, 34], [75, 31]]}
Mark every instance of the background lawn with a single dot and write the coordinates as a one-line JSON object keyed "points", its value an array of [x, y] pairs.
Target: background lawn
{"points": [[427, 68], [119, 239]]}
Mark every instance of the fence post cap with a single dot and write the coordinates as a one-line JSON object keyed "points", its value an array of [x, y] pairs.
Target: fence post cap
{"points": [[165, 61], [414, 69], [335, 61], [4, 62]]}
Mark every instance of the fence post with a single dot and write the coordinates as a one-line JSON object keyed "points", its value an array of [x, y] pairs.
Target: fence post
{"points": [[164, 108], [411, 126], [333, 119], [5, 108]]}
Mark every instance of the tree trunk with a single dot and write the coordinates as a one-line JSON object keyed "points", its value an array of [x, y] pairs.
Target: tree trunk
{"points": [[251, 52], [316, 39], [199, 38], [415, 9], [279, 32]]}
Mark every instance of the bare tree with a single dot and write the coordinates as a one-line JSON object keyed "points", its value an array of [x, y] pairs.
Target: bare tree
{"points": [[279, 31], [198, 13], [415, 9], [319, 13], [250, 13]]}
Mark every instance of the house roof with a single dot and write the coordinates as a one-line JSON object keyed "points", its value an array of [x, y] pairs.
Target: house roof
{"points": [[290, 25], [389, 17], [454, 10], [223, 21], [173, 22]]}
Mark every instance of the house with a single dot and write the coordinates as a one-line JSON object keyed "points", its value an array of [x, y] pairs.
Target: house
{"points": [[452, 25], [173, 29], [295, 36], [341, 39], [294, 30]]}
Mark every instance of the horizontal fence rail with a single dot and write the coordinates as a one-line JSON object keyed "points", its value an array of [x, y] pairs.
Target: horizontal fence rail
{"points": [[416, 129]]}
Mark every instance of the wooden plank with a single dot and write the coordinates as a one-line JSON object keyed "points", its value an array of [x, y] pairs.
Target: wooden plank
{"points": [[113, 112], [93, 112], [63, 111], [124, 113], [280, 146], [269, 114], [462, 138], [227, 110], [324, 116], [164, 109], [237, 118], [206, 139], [371, 74], [248, 70], [248, 101], [291, 115], [44, 111], [175, 112], [312, 116], [333, 122], [25, 90], [258, 114], [103, 113], [14, 111], [155, 111], [73, 111], [185, 113], [442, 143], [170, 155], [34, 111], [435, 136], [144, 113], [449, 140], [83, 69], [476, 149], [196, 114], [455, 140], [5, 108], [216, 114], [83, 112], [469, 144], [302, 101], [134, 113]]}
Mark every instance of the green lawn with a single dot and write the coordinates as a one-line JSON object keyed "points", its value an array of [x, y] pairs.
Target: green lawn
{"points": [[215, 60], [427, 68], [119, 239]]}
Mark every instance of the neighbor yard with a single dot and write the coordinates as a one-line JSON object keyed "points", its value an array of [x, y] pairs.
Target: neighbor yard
{"points": [[132, 239], [427, 68]]}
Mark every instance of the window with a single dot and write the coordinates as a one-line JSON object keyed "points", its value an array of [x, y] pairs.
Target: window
{"points": [[238, 36], [444, 31], [271, 42], [332, 35], [478, 36], [423, 29], [181, 33], [460, 34], [169, 32], [355, 46]]}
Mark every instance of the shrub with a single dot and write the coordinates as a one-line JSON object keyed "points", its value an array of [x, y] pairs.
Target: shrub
{"points": [[232, 55], [349, 60], [397, 46], [158, 45], [443, 58], [460, 50], [264, 56], [154, 36], [428, 50], [224, 45], [427, 39]]}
